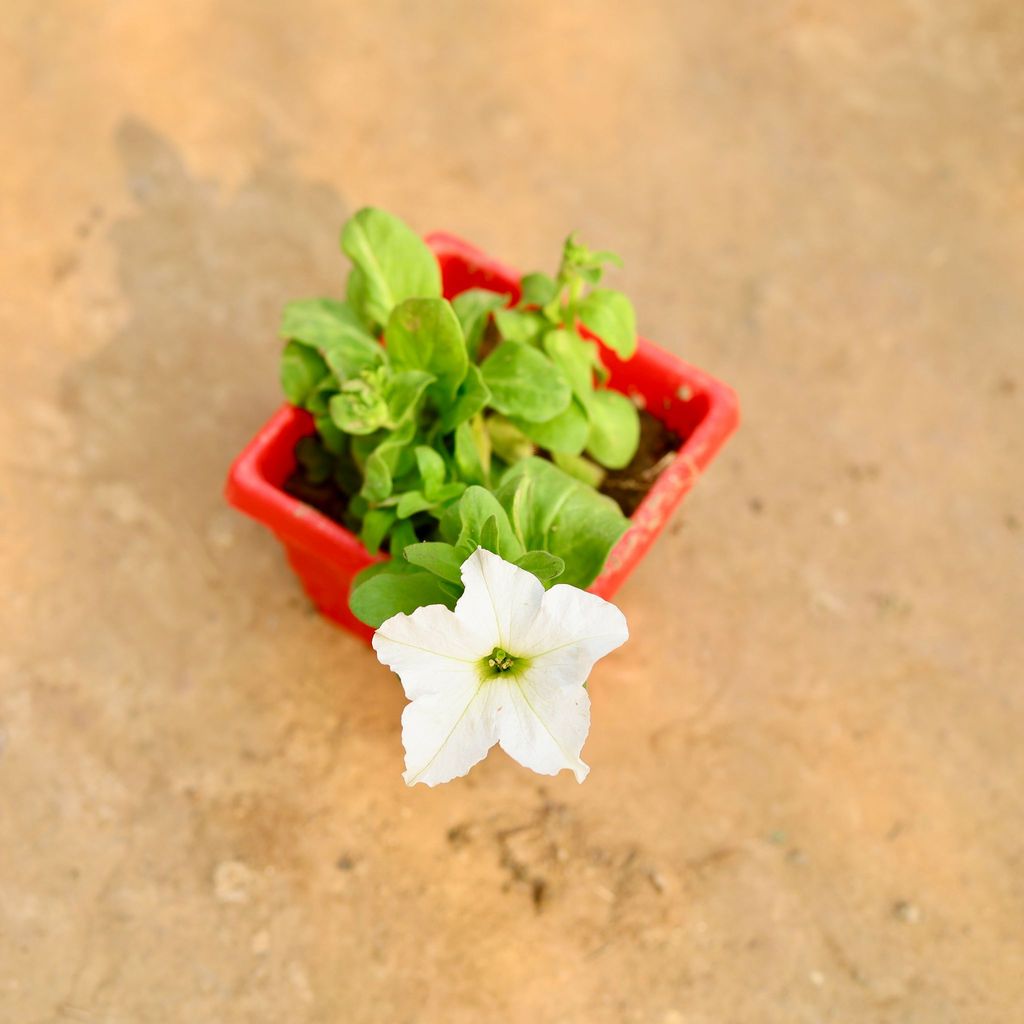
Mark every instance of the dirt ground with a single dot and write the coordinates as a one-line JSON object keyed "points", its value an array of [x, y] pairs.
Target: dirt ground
{"points": [[806, 799]]}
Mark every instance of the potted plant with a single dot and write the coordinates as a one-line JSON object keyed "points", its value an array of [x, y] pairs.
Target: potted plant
{"points": [[513, 447]]}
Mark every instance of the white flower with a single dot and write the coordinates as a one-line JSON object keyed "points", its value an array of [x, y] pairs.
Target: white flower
{"points": [[507, 667]]}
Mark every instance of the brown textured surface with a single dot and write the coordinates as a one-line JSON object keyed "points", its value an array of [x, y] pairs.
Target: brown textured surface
{"points": [[805, 803]]}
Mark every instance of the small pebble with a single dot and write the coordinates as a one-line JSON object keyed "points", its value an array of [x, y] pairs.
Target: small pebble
{"points": [[300, 982], [221, 533], [904, 910], [232, 881], [122, 502]]}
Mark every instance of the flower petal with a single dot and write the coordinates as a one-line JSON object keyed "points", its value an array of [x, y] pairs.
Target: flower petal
{"points": [[449, 725], [448, 732], [430, 648], [572, 630], [541, 726], [499, 597]]}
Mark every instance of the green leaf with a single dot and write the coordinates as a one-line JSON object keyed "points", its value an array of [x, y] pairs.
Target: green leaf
{"points": [[507, 441], [376, 599], [537, 289], [431, 467], [610, 315], [582, 469], [362, 447], [334, 330], [352, 356], [318, 400], [334, 440], [525, 383], [450, 525], [361, 407], [519, 325], [405, 394], [380, 568], [546, 567], [579, 262], [382, 463], [574, 357], [473, 308], [567, 432], [476, 507], [449, 492], [441, 559], [376, 524], [424, 334], [358, 506], [473, 452], [489, 534], [357, 298], [603, 256], [614, 429], [412, 502], [472, 396], [392, 264], [302, 370], [553, 512], [402, 535]]}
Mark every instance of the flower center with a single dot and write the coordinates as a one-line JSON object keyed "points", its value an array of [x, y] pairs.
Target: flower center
{"points": [[500, 663]]}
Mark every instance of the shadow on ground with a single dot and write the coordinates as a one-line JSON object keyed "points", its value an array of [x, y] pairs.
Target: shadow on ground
{"points": [[203, 272]]}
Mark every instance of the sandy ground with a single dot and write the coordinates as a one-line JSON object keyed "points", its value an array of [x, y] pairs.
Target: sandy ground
{"points": [[806, 798]]}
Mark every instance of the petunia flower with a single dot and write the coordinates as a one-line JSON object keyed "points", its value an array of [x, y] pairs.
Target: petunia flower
{"points": [[507, 666]]}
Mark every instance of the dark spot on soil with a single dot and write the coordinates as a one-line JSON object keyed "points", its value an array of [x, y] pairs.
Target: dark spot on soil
{"points": [[1006, 386], [538, 889], [64, 266], [890, 604], [84, 228], [863, 471], [756, 506], [344, 863], [895, 831], [460, 835]]}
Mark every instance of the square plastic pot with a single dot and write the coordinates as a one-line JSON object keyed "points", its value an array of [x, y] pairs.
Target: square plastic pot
{"points": [[326, 557]]}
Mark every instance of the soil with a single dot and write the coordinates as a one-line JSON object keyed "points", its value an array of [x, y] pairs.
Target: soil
{"points": [[326, 497]]}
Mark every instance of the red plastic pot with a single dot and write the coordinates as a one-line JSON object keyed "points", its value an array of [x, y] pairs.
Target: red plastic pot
{"points": [[326, 556]]}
